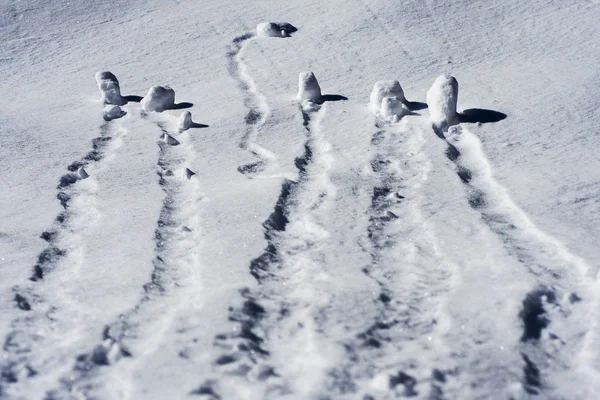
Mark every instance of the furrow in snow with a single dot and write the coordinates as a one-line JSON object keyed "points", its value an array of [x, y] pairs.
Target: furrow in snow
{"points": [[247, 361], [138, 334], [553, 313], [396, 355], [38, 327], [258, 109]]}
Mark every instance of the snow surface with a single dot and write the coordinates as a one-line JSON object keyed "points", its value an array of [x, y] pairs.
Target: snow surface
{"points": [[289, 249]]}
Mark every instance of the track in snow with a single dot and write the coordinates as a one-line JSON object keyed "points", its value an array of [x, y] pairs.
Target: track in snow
{"points": [[138, 333], [549, 346], [246, 353], [258, 109], [395, 356], [20, 360]]}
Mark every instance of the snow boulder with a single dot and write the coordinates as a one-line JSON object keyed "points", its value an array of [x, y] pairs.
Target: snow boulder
{"points": [[109, 88], [185, 121], [275, 29], [383, 89], [308, 88], [112, 112], [392, 109], [159, 99], [442, 99]]}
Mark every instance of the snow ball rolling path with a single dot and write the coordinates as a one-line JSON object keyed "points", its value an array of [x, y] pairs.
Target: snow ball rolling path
{"points": [[394, 263]]}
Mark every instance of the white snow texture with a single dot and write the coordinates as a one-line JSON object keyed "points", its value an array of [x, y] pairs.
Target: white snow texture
{"points": [[308, 88], [159, 99], [442, 99]]}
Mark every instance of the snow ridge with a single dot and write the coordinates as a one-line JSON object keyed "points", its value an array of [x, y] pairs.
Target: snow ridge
{"points": [[552, 308], [65, 249], [255, 102], [175, 278]]}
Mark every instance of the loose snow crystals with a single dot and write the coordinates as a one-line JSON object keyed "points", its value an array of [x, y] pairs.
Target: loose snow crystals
{"points": [[112, 112], [383, 89], [308, 88], [185, 121], [275, 29], [441, 100], [159, 99], [109, 88]]}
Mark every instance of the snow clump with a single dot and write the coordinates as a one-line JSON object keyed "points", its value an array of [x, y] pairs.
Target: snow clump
{"points": [[392, 109], [383, 89], [442, 99], [112, 112], [308, 88], [159, 98], [185, 121], [275, 29], [109, 88]]}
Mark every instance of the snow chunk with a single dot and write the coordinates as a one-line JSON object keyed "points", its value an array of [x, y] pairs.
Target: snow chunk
{"points": [[383, 89], [392, 109], [275, 29], [109, 88], [82, 173], [112, 112], [308, 88], [170, 140], [159, 99], [442, 99], [185, 121]]}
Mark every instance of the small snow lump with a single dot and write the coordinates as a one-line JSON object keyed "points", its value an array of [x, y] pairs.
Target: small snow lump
{"points": [[275, 29], [159, 99], [383, 89], [442, 99], [308, 88]]}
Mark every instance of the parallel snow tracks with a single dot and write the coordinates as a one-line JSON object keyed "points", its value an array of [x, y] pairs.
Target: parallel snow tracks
{"points": [[256, 104], [396, 356], [554, 313], [175, 277], [264, 316], [76, 193]]}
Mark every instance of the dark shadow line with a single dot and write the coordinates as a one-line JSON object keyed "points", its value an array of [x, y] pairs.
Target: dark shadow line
{"points": [[180, 106], [480, 115], [415, 105], [197, 125], [332, 97], [133, 98]]}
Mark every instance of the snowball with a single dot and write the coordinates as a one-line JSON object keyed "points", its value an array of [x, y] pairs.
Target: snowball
{"points": [[308, 88], [185, 121], [170, 140], [113, 112], [109, 88], [159, 98], [383, 89], [441, 100], [392, 109], [275, 29], [82, 173]]}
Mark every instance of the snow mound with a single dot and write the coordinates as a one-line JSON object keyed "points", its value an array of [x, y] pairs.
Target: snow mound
{"points": [[308, 88], [159, 98], [112, 112], [442, 99], [170, 140], [275, 29], [392, 109], [109, 88], [185, 121], [383, 89]]}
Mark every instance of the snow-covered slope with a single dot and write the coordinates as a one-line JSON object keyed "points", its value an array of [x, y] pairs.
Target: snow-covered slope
{"points": [[278, 250]]}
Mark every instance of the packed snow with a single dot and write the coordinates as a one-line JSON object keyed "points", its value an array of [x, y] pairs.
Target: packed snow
{"points": [[263, 238]]}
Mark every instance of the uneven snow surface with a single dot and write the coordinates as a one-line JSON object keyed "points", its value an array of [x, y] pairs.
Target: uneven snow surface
{"points": [[321, 241]]}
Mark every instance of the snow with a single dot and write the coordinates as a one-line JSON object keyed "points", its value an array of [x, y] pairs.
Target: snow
{"points": [[383, 89], [109, 88], [442, 99], [308, 88], [251, 244], [159, 99], [275, 29]]}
